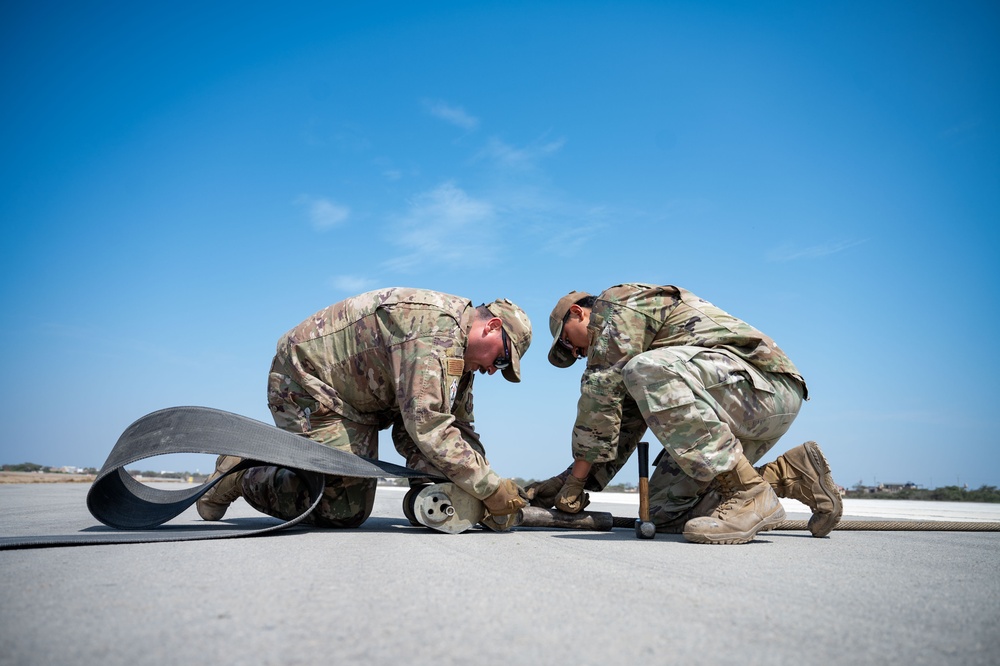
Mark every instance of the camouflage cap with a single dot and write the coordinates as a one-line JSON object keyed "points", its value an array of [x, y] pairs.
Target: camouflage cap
{"points": [[518, 328], [559, 356]]}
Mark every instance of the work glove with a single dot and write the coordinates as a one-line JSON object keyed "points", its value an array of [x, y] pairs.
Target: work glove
{"points": [[543, 493], [503, 505], [508, 498], [501, 523], [571, 497]]}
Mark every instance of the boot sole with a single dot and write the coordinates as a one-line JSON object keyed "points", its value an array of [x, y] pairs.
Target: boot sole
{"points": [[829, 489], [765, 525]]}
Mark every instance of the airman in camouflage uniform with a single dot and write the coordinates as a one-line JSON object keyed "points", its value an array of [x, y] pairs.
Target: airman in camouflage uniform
{"points": [[715, 391], [399, 358]]}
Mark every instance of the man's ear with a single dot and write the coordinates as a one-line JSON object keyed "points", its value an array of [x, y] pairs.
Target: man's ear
{"points": [[494, 324]]}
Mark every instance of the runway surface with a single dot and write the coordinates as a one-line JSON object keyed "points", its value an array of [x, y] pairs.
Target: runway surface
{"points": [[389, 593]]}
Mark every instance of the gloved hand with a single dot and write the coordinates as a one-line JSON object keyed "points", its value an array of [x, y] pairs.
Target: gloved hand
{"points": [[571, 497], [501, 523], [508, 498], [543, 493]]}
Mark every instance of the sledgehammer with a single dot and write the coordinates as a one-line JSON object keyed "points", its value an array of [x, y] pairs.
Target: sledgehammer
{"points": [[644, 529]]}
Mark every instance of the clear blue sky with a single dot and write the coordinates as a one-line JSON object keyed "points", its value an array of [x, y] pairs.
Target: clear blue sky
{"points": [[184, 182]]}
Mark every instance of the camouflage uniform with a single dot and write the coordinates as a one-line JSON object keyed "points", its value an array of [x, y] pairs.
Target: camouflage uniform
{"points": [[708, 385], [392, 357]]}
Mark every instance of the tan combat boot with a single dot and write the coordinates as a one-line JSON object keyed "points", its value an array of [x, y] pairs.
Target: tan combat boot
{"points": [[748, 506], [213, 504], [803, 474]]}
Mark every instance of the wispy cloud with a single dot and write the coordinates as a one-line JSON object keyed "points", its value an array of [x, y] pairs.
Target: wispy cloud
{"points": [[449, 225], [572, 238], [353, 284], [506, 155], [323, 213], [790, 252], [455, 115], [544, 219], [389, 170], [444, 225]]}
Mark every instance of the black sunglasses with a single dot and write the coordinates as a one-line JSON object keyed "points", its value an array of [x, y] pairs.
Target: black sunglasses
{"points": [[566, 344], [503, 362]]}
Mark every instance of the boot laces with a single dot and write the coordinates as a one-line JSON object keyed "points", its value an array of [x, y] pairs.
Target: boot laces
{"points": [[728, 495], [232, 494], [228, 496]]}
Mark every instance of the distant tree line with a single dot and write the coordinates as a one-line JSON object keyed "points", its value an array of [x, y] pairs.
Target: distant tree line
{"points": [[942, 494], [181, 476], [35, 467], [25, 467]]}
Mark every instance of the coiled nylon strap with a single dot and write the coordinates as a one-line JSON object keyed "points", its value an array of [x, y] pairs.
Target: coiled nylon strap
{"points": [[121, 502]]}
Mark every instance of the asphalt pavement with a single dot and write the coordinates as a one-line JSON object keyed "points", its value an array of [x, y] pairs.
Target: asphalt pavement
{"points": [[389, 593]]}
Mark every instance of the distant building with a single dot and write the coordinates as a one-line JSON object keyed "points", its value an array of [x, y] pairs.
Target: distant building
{"points": [[860, 489], [896, 487]]}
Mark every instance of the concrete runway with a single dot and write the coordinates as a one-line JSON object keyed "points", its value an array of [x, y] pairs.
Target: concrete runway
{"points": [[390, 593]]}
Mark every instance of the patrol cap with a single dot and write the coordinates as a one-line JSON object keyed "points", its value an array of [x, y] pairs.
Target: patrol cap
{"points": [[518, 328], [559, 356]]}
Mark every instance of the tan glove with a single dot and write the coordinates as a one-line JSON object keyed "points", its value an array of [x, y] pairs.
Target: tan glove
{"points": [[508, 498], [571, 497], [501, 523], [543, 493]]}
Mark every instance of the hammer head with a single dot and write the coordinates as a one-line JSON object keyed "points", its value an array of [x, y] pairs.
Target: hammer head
{"points": [[644, 529]]}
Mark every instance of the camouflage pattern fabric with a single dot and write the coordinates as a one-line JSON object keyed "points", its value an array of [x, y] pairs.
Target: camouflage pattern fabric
{"points": [[708, 385], [278, 492], [388, 358], [706, 411], [631, 431]]}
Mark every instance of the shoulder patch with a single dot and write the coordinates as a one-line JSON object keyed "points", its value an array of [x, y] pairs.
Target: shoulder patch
{"points": [[456, 366]]}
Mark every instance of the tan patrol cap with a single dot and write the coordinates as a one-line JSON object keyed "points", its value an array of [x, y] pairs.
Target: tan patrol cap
{"points": [[559, 356], [518, 329]]}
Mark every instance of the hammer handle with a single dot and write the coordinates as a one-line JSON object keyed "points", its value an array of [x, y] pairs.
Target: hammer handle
{"points": [[644, 500], [533, 516], [644, 481]]}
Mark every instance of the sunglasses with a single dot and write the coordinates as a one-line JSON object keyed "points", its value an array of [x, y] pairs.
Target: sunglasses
{"points": [[503, 362], [566, 344]]}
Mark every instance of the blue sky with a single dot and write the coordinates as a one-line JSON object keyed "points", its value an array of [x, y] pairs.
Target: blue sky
{"points": [[184, 182]]}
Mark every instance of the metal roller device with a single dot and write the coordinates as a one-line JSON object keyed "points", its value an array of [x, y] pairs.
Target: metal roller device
{"points": [[446, 508]]}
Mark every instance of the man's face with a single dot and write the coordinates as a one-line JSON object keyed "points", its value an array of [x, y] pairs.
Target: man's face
{"points": [[484, 346], [574, 333]]}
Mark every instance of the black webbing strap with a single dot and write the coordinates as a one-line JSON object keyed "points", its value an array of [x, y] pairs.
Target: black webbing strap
{"points": [[121, 502]]}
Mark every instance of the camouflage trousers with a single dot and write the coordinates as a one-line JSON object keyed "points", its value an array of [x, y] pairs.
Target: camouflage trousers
{"points": [[707, 408], [279, 492]]}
